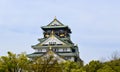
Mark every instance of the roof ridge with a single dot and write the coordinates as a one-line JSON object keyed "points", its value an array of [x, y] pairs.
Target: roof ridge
{"points": [[50, 50], [55, 19], [61, 39]]}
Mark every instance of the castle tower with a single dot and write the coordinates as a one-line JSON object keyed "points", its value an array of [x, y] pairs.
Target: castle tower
{"points": [[56, 42]]}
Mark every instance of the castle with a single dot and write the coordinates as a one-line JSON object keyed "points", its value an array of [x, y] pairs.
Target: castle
{"points": [[56, 42]]}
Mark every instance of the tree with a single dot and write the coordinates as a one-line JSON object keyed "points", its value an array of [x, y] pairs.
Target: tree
{"points": [[70, 66], [115, 55], [93, 66], [106, 68], [114, 64], [48, 64], [20, 63], [13, 63]]}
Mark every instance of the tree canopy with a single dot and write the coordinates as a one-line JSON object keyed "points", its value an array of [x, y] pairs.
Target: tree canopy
{"points": [[20, 63]]}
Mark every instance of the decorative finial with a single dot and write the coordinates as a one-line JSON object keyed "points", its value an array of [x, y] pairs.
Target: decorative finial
{"points": [[55, 17], [52, 32]]}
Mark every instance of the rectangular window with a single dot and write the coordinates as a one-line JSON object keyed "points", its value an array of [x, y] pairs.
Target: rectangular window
{"points": [[60, 50], [68, 58], [55, 49], [52, 43], [68, 50], [39, 50], [64, 49], [43, 50]]}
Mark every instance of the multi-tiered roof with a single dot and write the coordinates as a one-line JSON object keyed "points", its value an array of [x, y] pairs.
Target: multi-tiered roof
{"points": [[57, 41]]}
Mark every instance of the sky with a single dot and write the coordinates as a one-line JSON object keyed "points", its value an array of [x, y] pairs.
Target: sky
{"points": [[95, 25]]}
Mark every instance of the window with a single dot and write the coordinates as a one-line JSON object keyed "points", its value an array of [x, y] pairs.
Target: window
{"points": [[73, 50], [67, 57], [39, 50], [64, 49], [60, 50], [43, 50], [52, 43], [68, 49], [56, 50]]}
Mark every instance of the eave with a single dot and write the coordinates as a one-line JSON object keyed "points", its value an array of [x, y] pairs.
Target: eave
{"points": [[55, 46]]}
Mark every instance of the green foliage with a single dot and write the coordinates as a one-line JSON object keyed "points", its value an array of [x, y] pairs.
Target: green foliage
{"points": [[93, 66], [13, 62], [106, 68], [70, 66], [114, 64], [20, 63], [44, 65]]}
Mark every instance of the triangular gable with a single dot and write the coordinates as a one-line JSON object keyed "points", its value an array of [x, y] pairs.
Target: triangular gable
{"points": [[55, 22], [54, 56], [53, 40]]}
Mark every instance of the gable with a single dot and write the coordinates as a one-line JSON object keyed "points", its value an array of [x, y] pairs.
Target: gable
{"points": [[55, 56], [55, 22], [52, 41]]}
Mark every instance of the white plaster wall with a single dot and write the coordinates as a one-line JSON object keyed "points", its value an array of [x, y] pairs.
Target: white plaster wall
{"points": [[68, 49], [72, 59], [60, 49], [43, 50]]}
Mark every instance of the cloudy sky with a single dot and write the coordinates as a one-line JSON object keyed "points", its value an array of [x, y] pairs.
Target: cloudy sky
{"points": [[95, 25]]}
